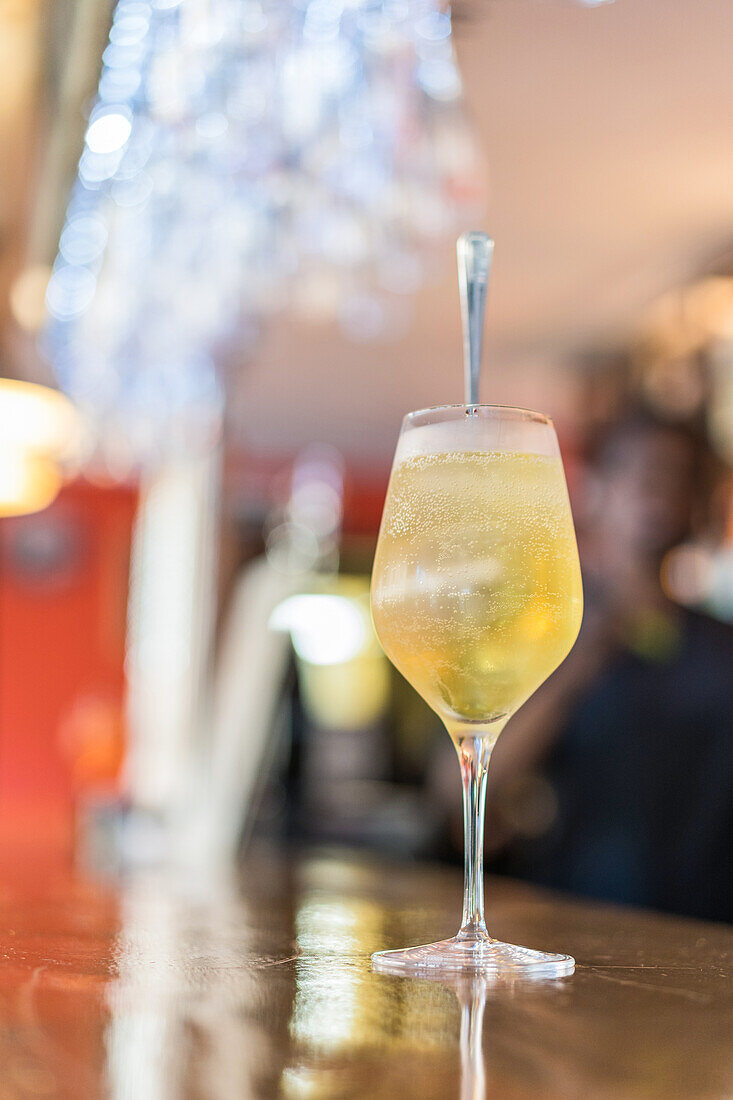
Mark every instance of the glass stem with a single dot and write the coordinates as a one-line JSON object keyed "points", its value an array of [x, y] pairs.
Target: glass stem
{"points": [[473, 756]]}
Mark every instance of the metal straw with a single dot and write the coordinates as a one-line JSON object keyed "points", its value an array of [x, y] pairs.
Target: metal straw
{"points": [[475, 251]]}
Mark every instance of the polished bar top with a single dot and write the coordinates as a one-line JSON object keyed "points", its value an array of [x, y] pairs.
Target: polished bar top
{"points": [[258, 984]]}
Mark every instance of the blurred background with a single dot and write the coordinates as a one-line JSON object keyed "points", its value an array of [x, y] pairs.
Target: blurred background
{"points": [[227, 270]]}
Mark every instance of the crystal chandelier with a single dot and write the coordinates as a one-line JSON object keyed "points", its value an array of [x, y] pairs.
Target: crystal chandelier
{"points": [[244, 157]]}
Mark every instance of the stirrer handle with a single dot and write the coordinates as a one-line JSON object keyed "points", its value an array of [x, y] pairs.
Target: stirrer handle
{"points": [[475, 251]]}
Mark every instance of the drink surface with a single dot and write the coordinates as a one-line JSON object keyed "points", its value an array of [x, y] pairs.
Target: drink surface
{"points": [[476, 590]]}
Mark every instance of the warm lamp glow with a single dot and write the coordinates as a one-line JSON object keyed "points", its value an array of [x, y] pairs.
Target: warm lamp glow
{"points": [[682, 321], [38, 419], [709, 306], [28, 481], [40, 430]]}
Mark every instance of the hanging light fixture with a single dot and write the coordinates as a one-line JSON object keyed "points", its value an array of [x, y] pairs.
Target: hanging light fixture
{"points": [[40, 433], [244, 157]]}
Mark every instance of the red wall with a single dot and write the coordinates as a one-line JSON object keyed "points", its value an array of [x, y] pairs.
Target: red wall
{"points": [[63, 593]]}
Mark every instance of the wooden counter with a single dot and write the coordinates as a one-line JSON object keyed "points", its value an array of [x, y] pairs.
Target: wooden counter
{"points": [[260, 986]]}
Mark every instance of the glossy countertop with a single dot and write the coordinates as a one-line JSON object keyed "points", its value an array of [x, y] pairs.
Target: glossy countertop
{"points": [[257, 983]]}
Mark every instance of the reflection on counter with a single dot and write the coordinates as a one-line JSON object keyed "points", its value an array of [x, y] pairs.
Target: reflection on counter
{"points": [[160, 987]]}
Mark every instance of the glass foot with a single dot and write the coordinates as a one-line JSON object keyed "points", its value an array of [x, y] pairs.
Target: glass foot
{"points": [[487, 957]]}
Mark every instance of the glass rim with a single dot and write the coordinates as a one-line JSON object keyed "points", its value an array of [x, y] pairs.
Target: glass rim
{"points": [[521, 414]]}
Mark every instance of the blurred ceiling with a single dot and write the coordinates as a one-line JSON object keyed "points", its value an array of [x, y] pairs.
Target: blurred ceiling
{"points": [[607, 133], [608, 138]]}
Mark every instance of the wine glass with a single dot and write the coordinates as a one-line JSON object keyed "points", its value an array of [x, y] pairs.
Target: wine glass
{"points": [[476, 599]]}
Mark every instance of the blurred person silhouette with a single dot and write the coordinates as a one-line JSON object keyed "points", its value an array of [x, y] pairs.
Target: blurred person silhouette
{"points": [[615, 780]]}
